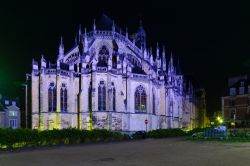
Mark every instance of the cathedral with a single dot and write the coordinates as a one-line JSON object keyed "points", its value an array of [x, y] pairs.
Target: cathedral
{"points": [[110, 80]]}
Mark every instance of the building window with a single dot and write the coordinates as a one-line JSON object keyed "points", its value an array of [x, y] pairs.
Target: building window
{"points": [[153, 103], [13, 123], [12, 113], [140, 99], [103, 54], [101, 96], [63, 94], [232, 91], [242, 83], [52, 97], [241, 90], [231, 102]]}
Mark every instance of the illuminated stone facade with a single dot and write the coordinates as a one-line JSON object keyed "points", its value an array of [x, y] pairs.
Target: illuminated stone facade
{"points": [[109, 80]]}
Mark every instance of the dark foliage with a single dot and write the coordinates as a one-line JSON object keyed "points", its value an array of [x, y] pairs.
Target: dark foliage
{"points": [[14, 138]]}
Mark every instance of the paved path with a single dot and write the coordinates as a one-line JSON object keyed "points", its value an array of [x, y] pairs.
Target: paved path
{"points": [[150, 152]]}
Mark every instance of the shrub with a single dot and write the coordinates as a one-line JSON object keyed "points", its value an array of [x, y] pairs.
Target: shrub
{"points": [[198, 135], [139, 135], [163, 133], [195, 130], [14, 138]]}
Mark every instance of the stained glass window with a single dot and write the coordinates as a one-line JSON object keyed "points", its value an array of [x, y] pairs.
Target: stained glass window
{"points": [[101, 96], [63, 94], [103, 54], [140, 99], [52, 97], [153, 103]]}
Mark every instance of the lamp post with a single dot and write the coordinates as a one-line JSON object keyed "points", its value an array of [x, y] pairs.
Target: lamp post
{"points": [[26, 99]]}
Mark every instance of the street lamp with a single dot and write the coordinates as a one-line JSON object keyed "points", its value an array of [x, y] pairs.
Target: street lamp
{"points": [[26, 99]]}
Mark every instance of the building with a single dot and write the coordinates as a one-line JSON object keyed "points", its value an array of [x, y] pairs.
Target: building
{"points": [[109, 80], [236, 102], [9, 113], [195, 111]]}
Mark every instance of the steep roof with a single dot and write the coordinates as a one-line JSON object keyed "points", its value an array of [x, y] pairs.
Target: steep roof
{"points": [[106, 23]]}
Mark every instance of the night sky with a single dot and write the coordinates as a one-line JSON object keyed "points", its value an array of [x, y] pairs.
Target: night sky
{"points": [[211, 39]]}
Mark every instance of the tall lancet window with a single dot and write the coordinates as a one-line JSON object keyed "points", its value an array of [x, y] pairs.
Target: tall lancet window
{"points": [[112, 97], [153, 104], [140, 99], [103, 54], [101, 96], [64, 97], [52, 97]]}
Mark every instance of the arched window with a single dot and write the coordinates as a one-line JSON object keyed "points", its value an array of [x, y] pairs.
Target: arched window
{"points": [[101, 97], [63, 94], [153, 103], [112, 96], [103, 54], [140, 99], [52, 97], [114, 99]]}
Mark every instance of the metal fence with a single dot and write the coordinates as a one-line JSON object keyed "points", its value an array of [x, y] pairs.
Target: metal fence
{"points": [[215, 134]]}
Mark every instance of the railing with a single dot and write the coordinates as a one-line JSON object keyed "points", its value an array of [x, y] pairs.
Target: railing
{"points": [[102, 69], [139, 76], [50, 71]]}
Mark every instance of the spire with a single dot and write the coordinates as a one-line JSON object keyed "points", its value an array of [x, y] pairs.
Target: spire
{"points": [[85, 40], [163, 59], [61, 49], [178, 67], [157, 51], [43, 62], [76, 40], [126, 32], [113, 26], [79, 33], [171, 65], [145, 54], [94, 27], [151, 60]]}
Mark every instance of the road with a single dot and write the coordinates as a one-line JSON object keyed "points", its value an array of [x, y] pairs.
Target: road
{"points": [[149, 152]]}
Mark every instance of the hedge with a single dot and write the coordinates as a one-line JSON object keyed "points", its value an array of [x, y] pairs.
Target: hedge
{"points": [[16, 138]]}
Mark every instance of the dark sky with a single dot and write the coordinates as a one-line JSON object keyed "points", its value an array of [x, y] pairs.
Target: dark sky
{"points": [[211, 39]]}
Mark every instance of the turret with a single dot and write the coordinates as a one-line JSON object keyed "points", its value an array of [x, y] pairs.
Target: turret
{"points": [[145, 55], [43, 63], [151, 57], [140, 37], [79, 33], [94, 27], [86, 46], [157, 51], [113, 29], [34, 65], [171, 69], [126, 33], [164, 64], [61, 50]]}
